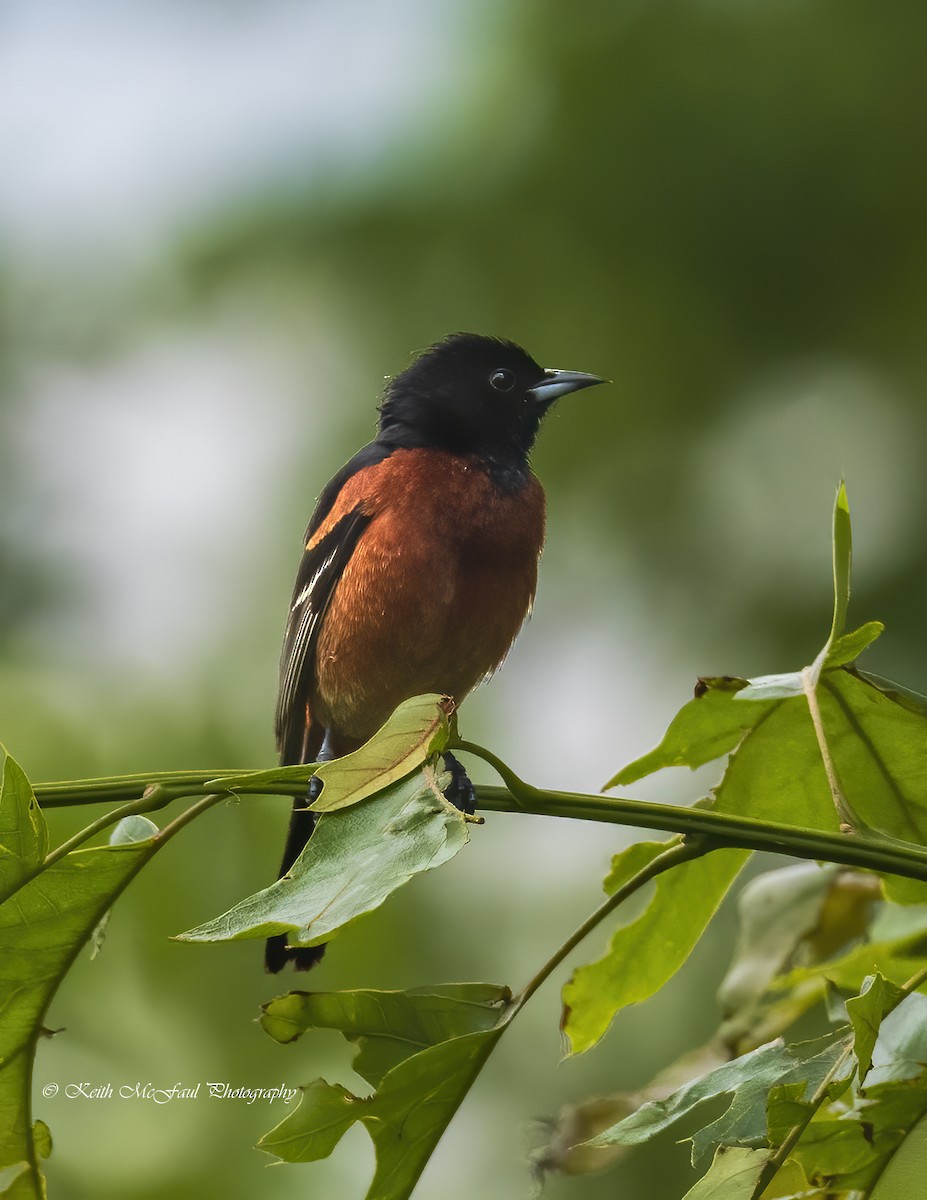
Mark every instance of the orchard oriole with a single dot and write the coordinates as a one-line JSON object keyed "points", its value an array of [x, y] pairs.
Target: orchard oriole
{"points": [[420, 561]]}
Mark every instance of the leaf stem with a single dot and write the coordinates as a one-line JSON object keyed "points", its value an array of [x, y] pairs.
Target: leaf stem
{"points": [[887, 855], [849, 821], [680, 851]]}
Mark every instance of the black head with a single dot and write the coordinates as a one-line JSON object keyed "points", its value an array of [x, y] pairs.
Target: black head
{"points": [[472, 394]]}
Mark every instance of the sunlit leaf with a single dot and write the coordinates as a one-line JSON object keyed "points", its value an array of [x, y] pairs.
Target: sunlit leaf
{"points": [[703, 730], [648, 951], [355, 858]]}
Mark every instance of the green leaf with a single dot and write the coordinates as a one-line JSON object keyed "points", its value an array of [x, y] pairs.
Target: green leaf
{"points": [[703, 730], [847, 649], [9, 1175], [388, 1027], [746, 1080], [877, 997], [913, 701], [843, 555], [415, 1098], [23, 835], [903, 1178], [355, 858], [900, 1051], [419, 729], [644, 954], [895, 957], [323, 1116], [733, 1175], [42, 927]]}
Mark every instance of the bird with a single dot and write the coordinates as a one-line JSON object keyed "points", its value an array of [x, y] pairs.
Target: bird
{"points": [[420, 562]]}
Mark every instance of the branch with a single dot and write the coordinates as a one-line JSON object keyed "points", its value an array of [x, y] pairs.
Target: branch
{"points": [[875, 853]]}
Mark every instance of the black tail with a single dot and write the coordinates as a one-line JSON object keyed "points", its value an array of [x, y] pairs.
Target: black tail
{"points": [[276, 952]]}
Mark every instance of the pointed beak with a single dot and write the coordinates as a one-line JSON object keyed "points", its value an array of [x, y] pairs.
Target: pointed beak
{"points": [[559, 383]]}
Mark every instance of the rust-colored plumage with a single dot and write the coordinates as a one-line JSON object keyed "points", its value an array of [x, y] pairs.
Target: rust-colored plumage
{"points": [[437, 588]]}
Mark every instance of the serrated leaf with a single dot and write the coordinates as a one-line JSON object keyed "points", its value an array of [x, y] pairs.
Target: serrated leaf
{"points": [[746, 1080], [877, 997], [356, 857], [704, 729], [419, 729], [745, 1121], [648, 951], [388, 1027], [410, 1109]]}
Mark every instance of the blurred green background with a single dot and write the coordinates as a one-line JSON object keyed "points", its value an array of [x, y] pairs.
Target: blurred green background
{"points": [[221, 225]]}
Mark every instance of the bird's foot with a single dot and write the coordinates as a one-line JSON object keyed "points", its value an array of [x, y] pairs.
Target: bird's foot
{"points": [[460, 791]]}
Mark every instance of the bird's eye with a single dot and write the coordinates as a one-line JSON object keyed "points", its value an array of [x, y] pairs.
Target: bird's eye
{"points": [[502, 380]]}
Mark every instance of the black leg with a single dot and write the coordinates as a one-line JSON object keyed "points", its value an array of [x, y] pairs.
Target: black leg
{"points": [[302, 822], [460, 790]]}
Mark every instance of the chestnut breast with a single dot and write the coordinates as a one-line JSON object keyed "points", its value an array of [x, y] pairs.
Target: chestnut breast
{"points": [[435, 592]]}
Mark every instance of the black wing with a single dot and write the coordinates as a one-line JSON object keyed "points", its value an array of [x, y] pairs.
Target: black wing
{"points": [[318, 575]]}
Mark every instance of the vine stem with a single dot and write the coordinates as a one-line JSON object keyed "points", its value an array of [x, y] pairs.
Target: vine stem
{"points": [[875, 853], [684, 850]]}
